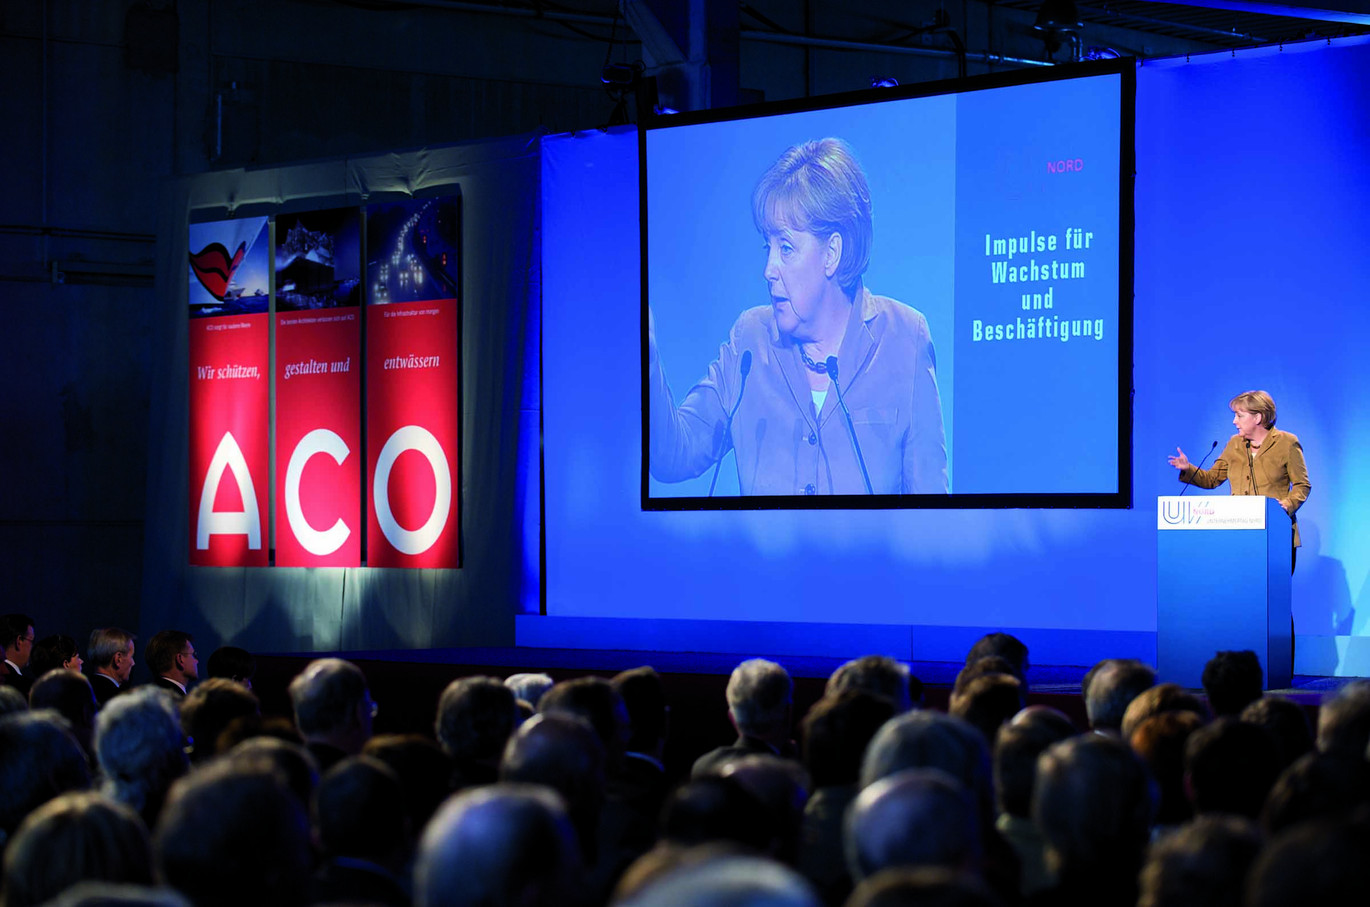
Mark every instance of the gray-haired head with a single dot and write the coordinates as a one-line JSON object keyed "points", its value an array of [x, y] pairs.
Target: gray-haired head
{"points": [[105, 643], [731, 880], [140, 748], [495, 845], [916, 817], [332, 704], [878, 674], [529, 687], [760, 693], [1109, 688]]}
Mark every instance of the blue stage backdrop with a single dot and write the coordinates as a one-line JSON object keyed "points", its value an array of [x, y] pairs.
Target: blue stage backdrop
{"points": [[1251, 265]]}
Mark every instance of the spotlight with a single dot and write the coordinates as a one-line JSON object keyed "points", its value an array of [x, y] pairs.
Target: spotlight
{"points": [[884, 83], [1057, 21]]}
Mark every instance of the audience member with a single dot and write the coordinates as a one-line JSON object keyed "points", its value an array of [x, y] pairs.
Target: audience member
{"points": [[835, 733], [39, 760], [208, 711], [232, 834], [1232, 681], [1344, 722], [333, 710], [781, 787], [233, 663], [565, 754], [73, 838], [287, 758], [1016, 748], [926, 739], [980, 667], [476, 715], [110, 654], [714, 808], [17, 637], [1316, 786], [1320, 862], [11, 701], [760, 695], [880, 675], [1160, 742], [988, 702], [1006, 646], [52, 652], [1205, 862], [140, 750], [363, 829], [1165, 697], [1287, 722], [926, 886], [424, 771], [1093, 803], [644, 697], [68, 693], [502, 845], [1230, 767], [1109, 688], [111, 894], [916, 817], [726, 879], [594, 701], [529, 687], [170, 655]]}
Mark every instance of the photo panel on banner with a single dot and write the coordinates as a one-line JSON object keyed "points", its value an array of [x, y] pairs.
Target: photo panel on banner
{"points": [[229, 273], [412, 386], [318, 259]]}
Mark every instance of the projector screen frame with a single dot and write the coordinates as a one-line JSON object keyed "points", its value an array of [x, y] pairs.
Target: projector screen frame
{"points": [[1121, 498]]}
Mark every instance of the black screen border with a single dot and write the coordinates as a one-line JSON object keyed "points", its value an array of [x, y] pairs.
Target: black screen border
{"points": [[1121, 499]]}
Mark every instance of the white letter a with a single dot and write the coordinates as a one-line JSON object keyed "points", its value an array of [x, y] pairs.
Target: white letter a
{"points": [[245, 522]]}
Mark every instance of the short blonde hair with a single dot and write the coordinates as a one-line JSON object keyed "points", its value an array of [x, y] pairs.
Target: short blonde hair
{"points": [[820, 188], [1258, 402]]}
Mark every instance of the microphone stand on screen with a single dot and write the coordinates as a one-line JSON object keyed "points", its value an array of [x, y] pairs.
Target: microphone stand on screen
{"points": [[856, 445], [745, 368]]}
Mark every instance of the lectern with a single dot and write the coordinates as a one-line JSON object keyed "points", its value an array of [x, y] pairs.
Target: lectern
{"points": [[1222, 565]]}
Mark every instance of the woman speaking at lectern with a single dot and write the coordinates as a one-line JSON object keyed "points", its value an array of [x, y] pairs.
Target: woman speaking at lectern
{"points": [[1258, 459]]}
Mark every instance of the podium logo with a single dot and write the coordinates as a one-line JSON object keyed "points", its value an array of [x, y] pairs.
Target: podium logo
{"points": [[1185, 513]]}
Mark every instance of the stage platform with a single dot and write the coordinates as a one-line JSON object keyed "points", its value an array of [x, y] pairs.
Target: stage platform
{"points": [[407, 683]]}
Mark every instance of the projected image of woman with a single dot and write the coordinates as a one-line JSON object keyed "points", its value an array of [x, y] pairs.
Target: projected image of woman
{"points": [[1258, 459], [774, 395]]}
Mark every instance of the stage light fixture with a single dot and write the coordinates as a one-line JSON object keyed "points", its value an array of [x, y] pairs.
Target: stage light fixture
{"points": [[1058, 21]]}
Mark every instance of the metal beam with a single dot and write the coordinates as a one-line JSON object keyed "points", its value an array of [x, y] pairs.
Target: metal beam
{"points": [[1352, 12]]}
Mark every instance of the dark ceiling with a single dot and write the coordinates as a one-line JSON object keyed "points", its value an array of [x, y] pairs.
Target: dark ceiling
{"points": [[1226, 23]]}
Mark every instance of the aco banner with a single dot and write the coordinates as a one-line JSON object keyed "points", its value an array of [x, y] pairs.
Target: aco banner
{"points": [[318, 389], [412, 390], [229, 392]]}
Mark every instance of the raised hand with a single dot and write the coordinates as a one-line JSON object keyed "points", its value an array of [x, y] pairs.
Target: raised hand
{"points": [[1180, 462]]}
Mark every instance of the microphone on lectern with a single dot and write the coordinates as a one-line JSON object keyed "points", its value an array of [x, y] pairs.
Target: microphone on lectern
{"points": [[1201, 464]]}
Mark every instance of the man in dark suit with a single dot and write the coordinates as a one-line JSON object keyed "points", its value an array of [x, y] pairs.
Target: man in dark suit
{"points": [[171, 656], [110, 656], [760, 694], [16, 635]]}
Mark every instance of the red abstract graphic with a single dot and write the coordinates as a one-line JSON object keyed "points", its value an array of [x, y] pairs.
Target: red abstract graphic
{"points": [[214, 268]]}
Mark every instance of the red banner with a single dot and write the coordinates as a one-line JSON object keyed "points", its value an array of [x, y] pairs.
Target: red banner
{"points": [[318, 438], [229, 417], [412, 423]]}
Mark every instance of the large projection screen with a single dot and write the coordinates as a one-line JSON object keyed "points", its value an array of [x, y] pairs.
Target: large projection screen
{"points": [[961, 251]]}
